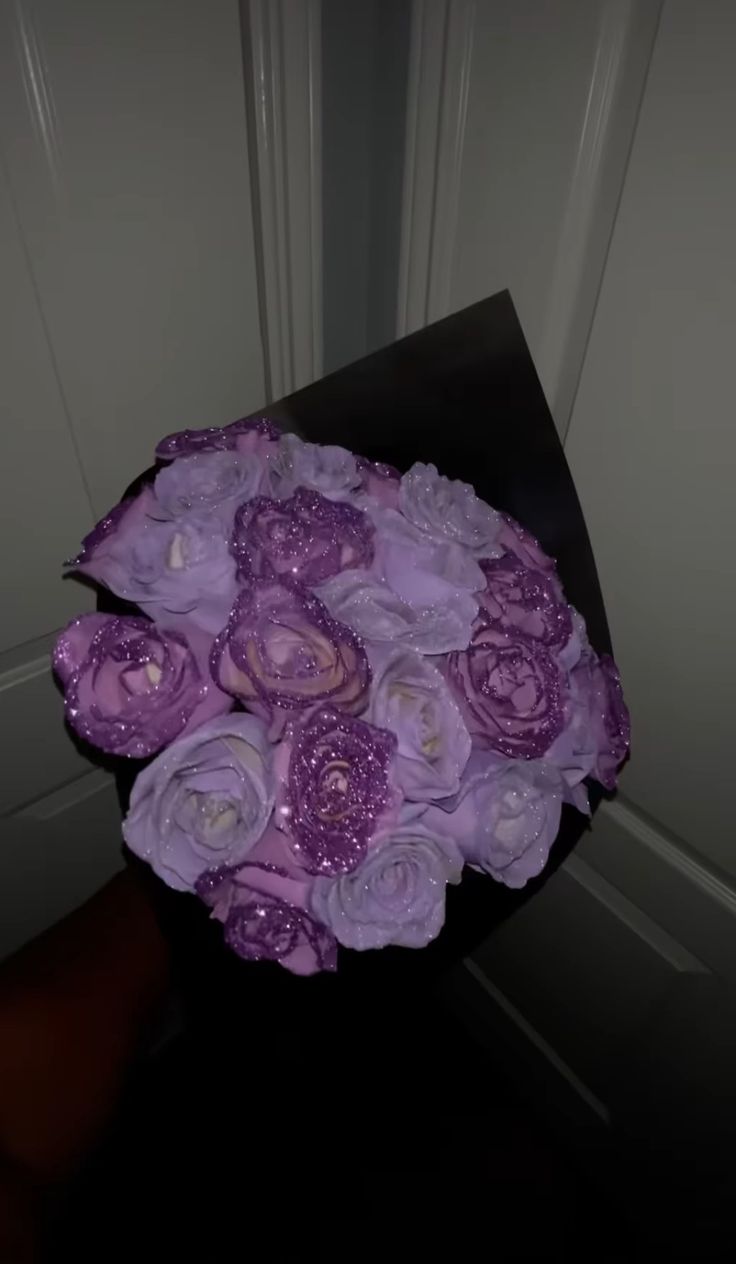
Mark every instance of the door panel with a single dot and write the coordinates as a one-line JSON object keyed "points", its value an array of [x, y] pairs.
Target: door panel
{"points": [[125, 137], [128, 308]]}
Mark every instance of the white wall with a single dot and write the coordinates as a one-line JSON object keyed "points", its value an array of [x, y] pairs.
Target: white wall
{"points": [[652, 444], [582, 154], [128, 308]]}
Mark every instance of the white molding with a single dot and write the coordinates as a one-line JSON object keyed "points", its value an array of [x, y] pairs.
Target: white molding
{"points": [[24, 672], [676, 858], [626, 36], [637, 921], [439, 76], [284, 44], [534, 1038]]}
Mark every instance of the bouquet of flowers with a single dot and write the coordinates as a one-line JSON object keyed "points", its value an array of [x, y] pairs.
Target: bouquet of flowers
{"points": [[344, 685]]}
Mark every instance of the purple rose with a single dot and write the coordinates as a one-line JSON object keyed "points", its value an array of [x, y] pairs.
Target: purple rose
{"points": [[130, 688], [516, 597], [307, 536], [205, 801], [505, 818], [598, 683], [411, 698], [209, 482], [243, 434], [180, 572], [324, 468], [448, 509], [337, 789], [516, 540], [263, 906], [418, 592], [510, 692], [281, 652], [380, 481], [396, 896]]}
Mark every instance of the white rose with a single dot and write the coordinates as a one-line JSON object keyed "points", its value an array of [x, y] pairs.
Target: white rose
{"points": [[328, 469], [446, 508]]}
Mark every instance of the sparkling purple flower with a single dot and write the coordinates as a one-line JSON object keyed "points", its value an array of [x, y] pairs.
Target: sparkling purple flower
{"points": [[396, 896], [517, 597], [203, 802], [448, 509], [505, 818], [324, 468], [419, 592], [337, 789], [264, 911], [380, 481], [282, 652], [516, 540], [599, 683], [180, 571], [510, 692], [215, 438], [208, 482], [130, 688], [307, 537], [412, 699]]}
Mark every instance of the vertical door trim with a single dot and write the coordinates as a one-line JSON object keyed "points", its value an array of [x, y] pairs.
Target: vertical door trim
{"points": [[441, 49], [282, 40]]}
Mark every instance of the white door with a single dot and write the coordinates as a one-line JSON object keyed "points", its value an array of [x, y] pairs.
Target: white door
{"points": [[584, 156], [128, 308]]}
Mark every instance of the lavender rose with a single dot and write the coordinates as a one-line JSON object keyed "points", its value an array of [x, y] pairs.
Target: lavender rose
{"points": [[598, 683], [281, 652], [337, 789], [264, 905], [324, 468], [517, 597], [380, 481], [396, 896], [209, 482], [130, 688], [448, 509], [418, 592], [307, 536], [246, 434], [505, 818], [516, 540], [411, 698], [510, 692], [205, 801], [180, 572]]}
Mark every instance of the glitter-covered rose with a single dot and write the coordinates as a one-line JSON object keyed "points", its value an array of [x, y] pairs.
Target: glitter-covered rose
{"points": [[324, 468], [248, 434], [418, 592], [505, 818], [209, 482], [447, 509], [515, 539], [264, 908], [412, 699], [282, 652], [337, 789], [396, 896], [598, 684], [531, 601], [380, 481], [179, 571], [306, 536], [510, 692], [203, 802], [130, 688]]}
